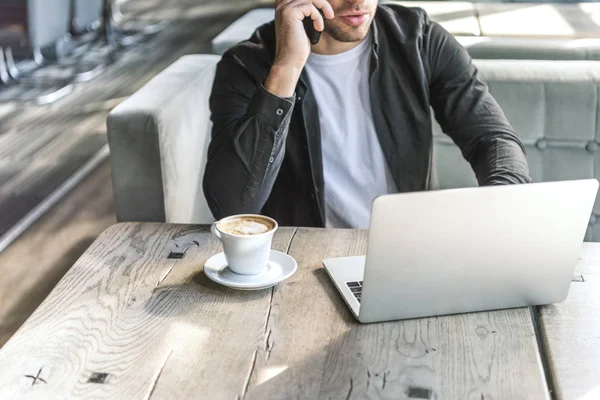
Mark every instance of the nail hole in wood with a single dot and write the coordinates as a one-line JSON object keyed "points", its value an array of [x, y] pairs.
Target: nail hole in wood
{"points": [[419, 393], [176, 256], [98, 377]]}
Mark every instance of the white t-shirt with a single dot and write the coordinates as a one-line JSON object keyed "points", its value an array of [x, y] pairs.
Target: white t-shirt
{"points": [[354, 167]]}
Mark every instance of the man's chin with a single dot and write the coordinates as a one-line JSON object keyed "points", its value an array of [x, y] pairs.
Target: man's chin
{"points": [[349, 34]]}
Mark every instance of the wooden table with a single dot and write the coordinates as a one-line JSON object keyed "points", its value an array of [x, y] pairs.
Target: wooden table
{"points": [[571, 332], [134, 320]]}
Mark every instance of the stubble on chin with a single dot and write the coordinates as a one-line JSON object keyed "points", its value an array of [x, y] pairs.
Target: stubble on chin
{"points": [[347, 34]]}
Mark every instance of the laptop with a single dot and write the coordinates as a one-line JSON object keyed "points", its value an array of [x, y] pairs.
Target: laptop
{"points": [[464, 250]]}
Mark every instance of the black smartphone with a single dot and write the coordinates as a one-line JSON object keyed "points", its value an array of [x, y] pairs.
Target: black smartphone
{"points": [[313, 34]]}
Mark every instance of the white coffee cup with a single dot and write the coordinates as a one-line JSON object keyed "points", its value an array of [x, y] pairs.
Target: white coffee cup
{"points": [[246, 253]]}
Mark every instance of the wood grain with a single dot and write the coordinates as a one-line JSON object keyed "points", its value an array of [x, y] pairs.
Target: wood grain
{"points": [[300, 324], [41, 146], [571, 333], [316, 349], [589, 261], [155, 326]]}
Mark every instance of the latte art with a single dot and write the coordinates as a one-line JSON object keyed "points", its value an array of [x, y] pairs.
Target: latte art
{"points": [[246, 226]]}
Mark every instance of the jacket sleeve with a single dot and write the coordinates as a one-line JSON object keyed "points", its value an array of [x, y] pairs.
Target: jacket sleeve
{"points": [[250, 126], [468, 113]]}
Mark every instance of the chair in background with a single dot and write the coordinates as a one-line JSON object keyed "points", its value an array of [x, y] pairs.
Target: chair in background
{"points": [[86, 16], [32, 28], [48, 45], [118, 36], [46, 30], [97, 23], [82, 58], [13, 31], [4, 76]]}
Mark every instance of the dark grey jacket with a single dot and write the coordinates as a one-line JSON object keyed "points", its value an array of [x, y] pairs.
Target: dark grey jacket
{"points": [[265, 154]]}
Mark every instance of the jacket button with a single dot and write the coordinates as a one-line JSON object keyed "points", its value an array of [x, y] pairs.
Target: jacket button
{"points": [[279, 111]]}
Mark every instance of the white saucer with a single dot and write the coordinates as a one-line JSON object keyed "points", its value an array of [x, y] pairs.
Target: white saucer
{"points": [[280, 267]]}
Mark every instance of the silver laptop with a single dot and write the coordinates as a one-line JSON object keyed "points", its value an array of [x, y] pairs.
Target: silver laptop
{"points": [[462, 250]]}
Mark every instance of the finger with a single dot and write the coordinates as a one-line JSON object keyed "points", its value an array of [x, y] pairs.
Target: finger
{"points": [[302, 9], [318, 22], [285, 6], [324, 6], [292, 7], [312, 12]]}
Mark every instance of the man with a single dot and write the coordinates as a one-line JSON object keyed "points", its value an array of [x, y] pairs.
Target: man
{"points": [[311, 135]]}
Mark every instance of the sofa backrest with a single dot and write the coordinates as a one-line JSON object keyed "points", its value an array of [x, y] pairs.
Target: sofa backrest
{"points": [[554, 107]]}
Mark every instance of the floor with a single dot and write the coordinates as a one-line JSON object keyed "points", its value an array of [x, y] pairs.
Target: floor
{"points": [[42, 146]]}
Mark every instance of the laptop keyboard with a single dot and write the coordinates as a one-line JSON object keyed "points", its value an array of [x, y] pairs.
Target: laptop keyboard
{"points": [[356, 289]]}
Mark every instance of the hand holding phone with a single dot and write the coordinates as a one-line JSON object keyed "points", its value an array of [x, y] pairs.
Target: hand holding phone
{"points": [[298, 24], [309, 26], [295, 20]]}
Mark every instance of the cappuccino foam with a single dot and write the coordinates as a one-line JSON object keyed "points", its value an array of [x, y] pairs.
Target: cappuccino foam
{"points": [[246, 226]]}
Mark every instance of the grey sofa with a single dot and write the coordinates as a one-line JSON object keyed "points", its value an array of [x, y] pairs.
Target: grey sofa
{"points": [[159, 136]]}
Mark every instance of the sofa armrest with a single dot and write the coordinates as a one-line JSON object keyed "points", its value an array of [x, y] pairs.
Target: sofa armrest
{"points": [[158, 139]]}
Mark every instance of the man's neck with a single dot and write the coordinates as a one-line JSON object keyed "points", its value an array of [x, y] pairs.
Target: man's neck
{"points": [[329, 46]]}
